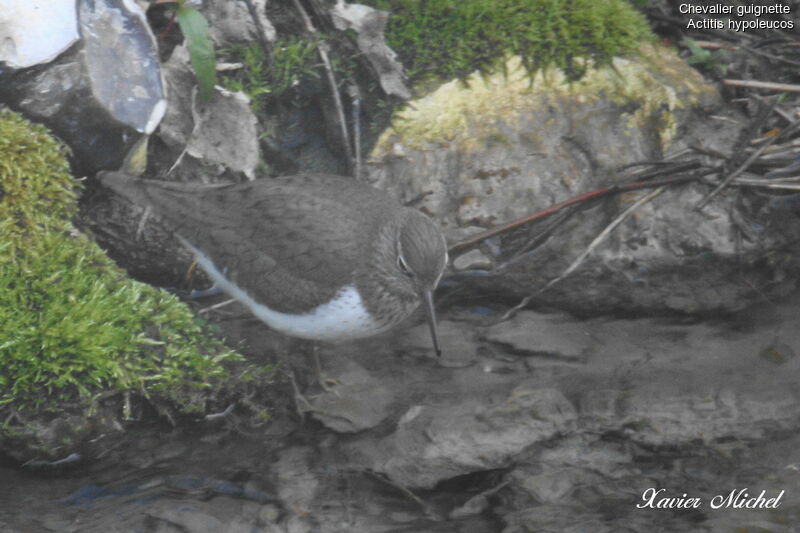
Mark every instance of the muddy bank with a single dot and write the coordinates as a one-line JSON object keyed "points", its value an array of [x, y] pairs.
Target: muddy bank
{"points": [[543, 423]]}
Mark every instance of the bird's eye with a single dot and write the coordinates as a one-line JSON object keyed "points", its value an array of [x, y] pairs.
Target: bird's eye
{"points": [[404, 266]]}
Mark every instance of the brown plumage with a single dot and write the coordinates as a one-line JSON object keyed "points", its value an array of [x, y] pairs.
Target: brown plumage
{"points": [[292, 243]]}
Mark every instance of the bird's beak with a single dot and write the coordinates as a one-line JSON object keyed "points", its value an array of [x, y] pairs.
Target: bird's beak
{"points": [[428, 297]]}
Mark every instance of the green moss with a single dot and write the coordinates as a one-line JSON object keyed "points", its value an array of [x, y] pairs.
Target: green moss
{"points": [[658, 82], [72, 325], [451, 38], [293, 61]]}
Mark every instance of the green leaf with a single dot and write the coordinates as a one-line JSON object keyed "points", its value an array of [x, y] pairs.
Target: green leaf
{"points": [[201, 48]]}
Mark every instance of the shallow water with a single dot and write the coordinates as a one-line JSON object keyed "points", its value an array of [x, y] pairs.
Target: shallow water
{"points": [[700, 409]]}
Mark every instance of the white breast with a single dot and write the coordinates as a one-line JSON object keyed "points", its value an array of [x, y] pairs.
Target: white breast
{"points": [[344, 317]]}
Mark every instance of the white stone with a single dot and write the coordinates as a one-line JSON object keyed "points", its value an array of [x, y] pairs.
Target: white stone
{"points": [[34, 32]]}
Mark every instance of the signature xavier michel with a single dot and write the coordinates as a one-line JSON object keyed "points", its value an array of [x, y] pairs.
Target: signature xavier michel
{"points": [[736, 499]]}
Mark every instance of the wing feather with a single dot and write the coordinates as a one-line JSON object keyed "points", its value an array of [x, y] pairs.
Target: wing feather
{"points": [[289, 242]]}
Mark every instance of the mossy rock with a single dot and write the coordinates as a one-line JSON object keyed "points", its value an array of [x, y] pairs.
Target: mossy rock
{"points": [[76, 334], [656, 83]]}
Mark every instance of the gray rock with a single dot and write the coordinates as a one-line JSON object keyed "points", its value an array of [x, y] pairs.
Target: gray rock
{"points": [[368, 24], [472, 260], [501, 148], [184, 519], [219, 134], [552, 474], [693, 408], [355, 400], [296, 482], [457, 340], [35, 437], [552, 336], [99, 97], [672, 385], [231, 23], [433, 443]]}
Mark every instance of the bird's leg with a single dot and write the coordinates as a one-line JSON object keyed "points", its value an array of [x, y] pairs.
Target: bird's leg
{"points": [[327, 384], [302, 404], [299, 399]]}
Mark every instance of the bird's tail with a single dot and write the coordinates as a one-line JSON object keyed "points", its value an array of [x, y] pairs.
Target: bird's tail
{"points": [[126, 185]]}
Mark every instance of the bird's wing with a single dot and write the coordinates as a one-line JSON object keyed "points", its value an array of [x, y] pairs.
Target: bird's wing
{"points": [[289, 244]]}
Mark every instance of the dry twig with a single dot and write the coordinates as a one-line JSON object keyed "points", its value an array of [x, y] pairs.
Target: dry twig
{"points": [[754, 84], [747, 163], [599, 193], [592, 246]]}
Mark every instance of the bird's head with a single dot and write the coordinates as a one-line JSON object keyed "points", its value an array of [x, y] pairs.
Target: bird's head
{"points": [[414, 258]]}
